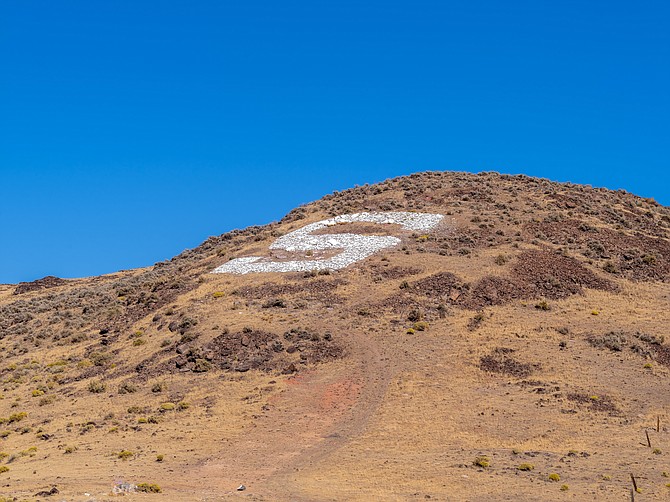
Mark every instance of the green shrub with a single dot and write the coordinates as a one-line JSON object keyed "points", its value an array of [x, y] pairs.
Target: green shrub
{"points": [[4, 468], [542, 305], [649, 259], [125, 455], [47, 400], [148, 488], [554, 477], [167, 406], [30, 452], [100, 358], [201, 366], [482, 461], [160, 457], [97, 387], [610, 267], [526, 467], [500, 260], [17, 417], [127, 388]]}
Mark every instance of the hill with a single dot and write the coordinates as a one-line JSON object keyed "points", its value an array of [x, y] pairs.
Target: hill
{"points": [[469, 337]]}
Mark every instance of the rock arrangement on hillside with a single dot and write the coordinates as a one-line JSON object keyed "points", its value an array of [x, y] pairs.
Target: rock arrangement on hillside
{"points": [[355, 247]]}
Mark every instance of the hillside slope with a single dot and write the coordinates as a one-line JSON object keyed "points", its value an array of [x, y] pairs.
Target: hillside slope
{"points": [[514, 351]]}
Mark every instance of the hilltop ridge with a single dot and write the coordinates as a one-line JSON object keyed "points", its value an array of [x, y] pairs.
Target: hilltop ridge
{"points": [[521, 336]]}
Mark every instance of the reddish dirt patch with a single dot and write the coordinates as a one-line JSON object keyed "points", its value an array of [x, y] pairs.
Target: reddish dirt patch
{"points": [[360, 228], [340, 395]]}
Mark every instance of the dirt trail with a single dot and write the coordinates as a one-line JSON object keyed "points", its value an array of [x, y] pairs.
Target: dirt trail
{"points": [[319, 412]]}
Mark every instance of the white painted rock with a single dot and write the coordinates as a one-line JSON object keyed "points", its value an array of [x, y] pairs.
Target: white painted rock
{"points": [[354, 247]]}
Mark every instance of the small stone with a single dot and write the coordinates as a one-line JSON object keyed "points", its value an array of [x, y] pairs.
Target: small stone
{"points": [[180, 361]]}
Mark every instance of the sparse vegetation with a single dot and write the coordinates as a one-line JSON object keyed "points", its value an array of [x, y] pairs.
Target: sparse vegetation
{"points": [[148, 488], [127, 388], [97, 387], [17, 417], [125, 455], [501, 260], [542, 305]]}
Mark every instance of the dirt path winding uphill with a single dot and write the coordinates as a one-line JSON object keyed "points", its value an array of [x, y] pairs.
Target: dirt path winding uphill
{"points": [[319, 412]]}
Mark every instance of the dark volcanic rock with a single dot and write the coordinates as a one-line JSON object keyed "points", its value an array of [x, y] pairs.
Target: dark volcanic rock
{"points": [[45, 283]]}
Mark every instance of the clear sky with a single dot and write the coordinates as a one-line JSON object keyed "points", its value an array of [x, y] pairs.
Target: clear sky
{"points": [[131, 130]]}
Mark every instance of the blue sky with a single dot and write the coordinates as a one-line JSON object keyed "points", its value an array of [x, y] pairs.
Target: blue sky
{"points": [[131, 130]]}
